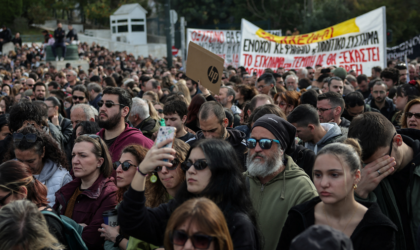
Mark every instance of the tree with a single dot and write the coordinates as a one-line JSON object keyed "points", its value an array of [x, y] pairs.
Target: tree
{"points": [[9, 10]]}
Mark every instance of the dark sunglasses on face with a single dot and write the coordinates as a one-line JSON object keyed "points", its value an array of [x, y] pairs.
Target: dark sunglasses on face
{"points": [[199, 164], [160, 111], [124, 166], [199, 241], [175, 163], [409, 115], [75, 97], [108, 104], [264, 143], [4, 199], [18, 137]]}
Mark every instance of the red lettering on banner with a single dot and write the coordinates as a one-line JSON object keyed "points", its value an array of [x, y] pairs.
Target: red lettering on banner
{"points": [[357, 55], [363, 55], [256, 61], [331, 59], [377, 48], [320, 59], [357, 67], [300, 39]]}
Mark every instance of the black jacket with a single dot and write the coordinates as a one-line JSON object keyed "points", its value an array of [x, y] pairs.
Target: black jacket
{"points": [[59, 35], [148, 224], [344, 123], [148, 127], [236, 138], [304, 158], [66, 129], [6, 35], [388, 110], [5, 146], [375, 230]]}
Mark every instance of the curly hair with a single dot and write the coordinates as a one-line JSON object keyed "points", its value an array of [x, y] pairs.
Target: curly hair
{"points": [[24, 111], [8, 101], [156, 193], [43, 140]]}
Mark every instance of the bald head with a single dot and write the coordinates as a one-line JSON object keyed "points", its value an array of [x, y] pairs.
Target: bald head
{"points": [[30, 82]]}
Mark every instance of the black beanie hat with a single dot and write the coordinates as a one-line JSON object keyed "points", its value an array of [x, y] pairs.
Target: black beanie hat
{"points": [[281, 129]]}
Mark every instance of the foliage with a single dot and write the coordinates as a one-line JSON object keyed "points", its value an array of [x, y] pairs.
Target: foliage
{"points": [[37, 14], [10, 9]]}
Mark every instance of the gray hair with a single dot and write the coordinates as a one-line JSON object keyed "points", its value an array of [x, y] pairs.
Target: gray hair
{"points": [[304, 71], [23, 225], [96, 87], [87, 109], [140, 107], [72, 72], [294, 77], [351, 78], [230, 92]]}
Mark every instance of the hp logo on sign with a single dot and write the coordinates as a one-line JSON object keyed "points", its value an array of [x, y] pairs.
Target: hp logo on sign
{"points": [[213, 74]]}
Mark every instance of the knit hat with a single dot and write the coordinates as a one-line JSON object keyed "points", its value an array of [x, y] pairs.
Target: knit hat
{"points": [[340, 72], [281, 129]]}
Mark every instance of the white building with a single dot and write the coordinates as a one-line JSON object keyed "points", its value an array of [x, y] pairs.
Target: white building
{"points": [[128, 24]]}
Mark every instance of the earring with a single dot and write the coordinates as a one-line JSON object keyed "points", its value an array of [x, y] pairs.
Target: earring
{"points": [[354, 186], [98, 166]]}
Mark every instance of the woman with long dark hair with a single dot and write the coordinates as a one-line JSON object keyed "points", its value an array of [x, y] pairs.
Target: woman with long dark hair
{"points": [[41, 153], [192, 115], [212, 171]]}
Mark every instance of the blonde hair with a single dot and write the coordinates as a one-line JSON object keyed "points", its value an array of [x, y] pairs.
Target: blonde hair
{"points": [[207, 217], [182, 87], [22, 225]]}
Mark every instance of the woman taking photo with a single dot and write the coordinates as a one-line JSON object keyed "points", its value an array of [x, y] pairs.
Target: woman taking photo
{"points": [[167, 184], [92, 192], [41, 153], [336, 174], [17, 183], [198, 224], [209, 164]]}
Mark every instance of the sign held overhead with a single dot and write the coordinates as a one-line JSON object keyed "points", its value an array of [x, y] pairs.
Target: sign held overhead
{"points": [[204, 67]]}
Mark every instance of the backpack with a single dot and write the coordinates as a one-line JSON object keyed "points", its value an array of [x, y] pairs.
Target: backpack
{"points": [[72, 231]]}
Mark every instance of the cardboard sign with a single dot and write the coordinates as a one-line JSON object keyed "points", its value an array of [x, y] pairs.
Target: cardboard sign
{"points": [[204, 66]]}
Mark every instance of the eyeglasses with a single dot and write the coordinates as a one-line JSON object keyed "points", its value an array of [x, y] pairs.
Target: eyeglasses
{"points": [[75, 97], [4, 199], [175, 163], [409, 115], [321, 110], [108, 104], [199, 241], [390, 147], [68, 75], [199, 164], [124, 166], [18, 137], [160, 111], [264, 143]]}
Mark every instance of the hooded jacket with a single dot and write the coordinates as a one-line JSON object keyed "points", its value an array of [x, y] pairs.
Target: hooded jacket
{"points": [[236, 138], [127, 137], [89, 206], [54, 177], [333, 134], [275, 198], [148, 127], [388, 110], [375, 230]]}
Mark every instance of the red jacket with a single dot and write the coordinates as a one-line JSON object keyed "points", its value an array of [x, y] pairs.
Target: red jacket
{"points": [[89, 206], [127, 137]]}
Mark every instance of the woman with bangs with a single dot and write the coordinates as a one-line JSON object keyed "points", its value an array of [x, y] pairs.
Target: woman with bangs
{"points": [[287, 101], [198, 224], [168, 182], [336, 173]]}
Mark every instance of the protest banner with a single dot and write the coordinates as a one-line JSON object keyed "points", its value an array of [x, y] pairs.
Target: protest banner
{"points": [[358, 43], [411, 48], [224, 43]]}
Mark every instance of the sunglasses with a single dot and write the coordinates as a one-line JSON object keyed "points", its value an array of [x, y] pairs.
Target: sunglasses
{"points": [[199, 164], [18, 137], [160, 111], [4, 199], [409, 115], [75, 97], [264, 143], [124, 166], [175, 163], [108, 104], [199, 241]]}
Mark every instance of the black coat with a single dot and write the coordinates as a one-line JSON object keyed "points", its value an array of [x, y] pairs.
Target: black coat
{"points": [[375, 230], [148, 224], [304, 158]]}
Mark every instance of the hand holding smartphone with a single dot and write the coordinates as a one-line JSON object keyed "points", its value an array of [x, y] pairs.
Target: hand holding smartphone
{"points": [[165, 133]]}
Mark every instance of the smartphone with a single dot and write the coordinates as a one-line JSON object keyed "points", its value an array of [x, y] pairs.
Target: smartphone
{"points": [[165, 133]]}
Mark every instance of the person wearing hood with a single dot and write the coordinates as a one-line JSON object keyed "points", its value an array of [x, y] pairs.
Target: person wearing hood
{"points": [[314, 135], [275, 182], [114, 109], [226, 97], [214, 124], [336, 175], [40, 152], [141, 119]]}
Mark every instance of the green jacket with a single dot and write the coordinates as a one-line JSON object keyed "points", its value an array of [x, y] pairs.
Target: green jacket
{"points": [[273, 200]]}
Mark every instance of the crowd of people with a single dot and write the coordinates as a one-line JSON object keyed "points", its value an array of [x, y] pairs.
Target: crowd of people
{"points": [[308, 158]]}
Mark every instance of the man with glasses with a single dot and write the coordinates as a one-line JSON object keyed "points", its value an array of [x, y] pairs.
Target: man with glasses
{"points": [[311, 73], [80, 95], [391, 176], [380, 101], [275, 182], [330, 107], [265, 83], [71, 77], [114, 109], [314, 135], [30, 83]]}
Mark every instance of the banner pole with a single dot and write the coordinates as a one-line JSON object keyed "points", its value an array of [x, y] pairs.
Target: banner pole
{"points": [[384, 31]]}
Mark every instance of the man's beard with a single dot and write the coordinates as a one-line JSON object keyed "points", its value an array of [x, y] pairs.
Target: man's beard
{"points": [[263, 169], [40, 97], [223, 102], [111, 123]]}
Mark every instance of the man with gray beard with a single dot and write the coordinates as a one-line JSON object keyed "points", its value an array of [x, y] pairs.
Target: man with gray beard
{"points": [[276, 183]]}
